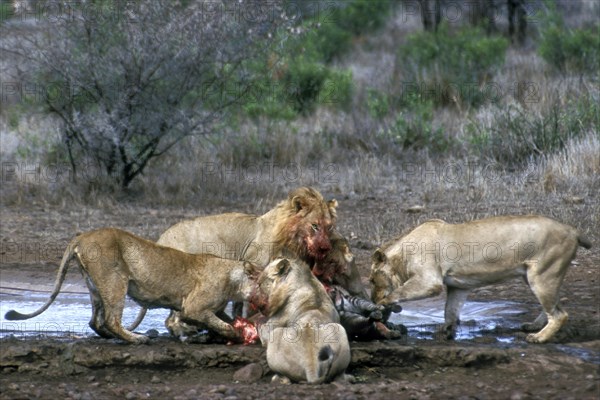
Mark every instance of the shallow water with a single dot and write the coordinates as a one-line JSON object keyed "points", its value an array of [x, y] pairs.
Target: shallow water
{"points": [[423, 317], [70, 313]]}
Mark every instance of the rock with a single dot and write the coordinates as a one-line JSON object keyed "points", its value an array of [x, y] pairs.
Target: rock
{"points": [[131, 396], [415, 209], [249, 373], [573, 200], [152, 333], [155, 379]]}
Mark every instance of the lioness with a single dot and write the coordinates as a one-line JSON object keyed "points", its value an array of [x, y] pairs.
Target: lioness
{"points": [[116, 263], [304, 339], [478, 253]]}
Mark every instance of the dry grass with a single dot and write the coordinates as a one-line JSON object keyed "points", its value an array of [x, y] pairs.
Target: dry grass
{"points": [[249, 167]]}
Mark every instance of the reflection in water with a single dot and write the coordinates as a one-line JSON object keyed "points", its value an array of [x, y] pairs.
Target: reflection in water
{"points": [[68, 315], [423, 317]]}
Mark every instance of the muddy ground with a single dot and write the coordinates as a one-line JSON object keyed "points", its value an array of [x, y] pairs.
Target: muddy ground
{"points": [[33, 239]]}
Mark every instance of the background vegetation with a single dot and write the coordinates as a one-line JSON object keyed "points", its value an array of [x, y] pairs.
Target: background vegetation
{"points": [[353, 97]]}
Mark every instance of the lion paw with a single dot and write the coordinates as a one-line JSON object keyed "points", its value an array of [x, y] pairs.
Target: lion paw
{"points": [[140, 339], [535, 338]]}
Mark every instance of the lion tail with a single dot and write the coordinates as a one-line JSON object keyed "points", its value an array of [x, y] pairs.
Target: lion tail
{"points": [[60, 277], [138, 319], [584, 242]]}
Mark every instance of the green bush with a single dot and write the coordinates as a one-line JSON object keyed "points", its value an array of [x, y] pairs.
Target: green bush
{"points": [[362, 16], [303, 83], [516, 135], [377, 103], [576, 50], [330, 33], [413, 128], [452, 65]]}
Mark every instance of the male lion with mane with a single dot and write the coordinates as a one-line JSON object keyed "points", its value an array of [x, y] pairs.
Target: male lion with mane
{"points": [[297, 227], [116, 263], [478, 253]]}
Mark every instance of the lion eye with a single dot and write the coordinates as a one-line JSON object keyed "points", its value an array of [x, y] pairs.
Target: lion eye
{"points": [[315, 227]]}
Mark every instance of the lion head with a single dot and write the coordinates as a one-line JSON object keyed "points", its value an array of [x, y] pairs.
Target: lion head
{"points": [[284, 282], [382, 278], [305, 221]]}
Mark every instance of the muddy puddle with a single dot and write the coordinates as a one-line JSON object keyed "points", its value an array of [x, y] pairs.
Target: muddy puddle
{"points": [[70, 313], [423, 317]]}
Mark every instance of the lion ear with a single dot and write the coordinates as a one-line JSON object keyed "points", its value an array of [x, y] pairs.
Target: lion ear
{"points": [[332, 204], [251, 269], [298, 203], [283, 267], [379, 257]]}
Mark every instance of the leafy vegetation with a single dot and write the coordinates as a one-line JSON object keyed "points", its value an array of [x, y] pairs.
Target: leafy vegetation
{"points": [[517, 135], [569, 50], [453, 65]]}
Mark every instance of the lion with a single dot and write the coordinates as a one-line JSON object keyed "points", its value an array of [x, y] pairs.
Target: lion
{"points": [[116, 263], [338, 267], [303, 337], [298, 227], [362, 319], [465, 256]]}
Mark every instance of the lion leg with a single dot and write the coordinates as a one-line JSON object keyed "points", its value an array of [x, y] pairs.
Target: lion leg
{"points": [[455, 300], [97, 320], [546, 286], [112, 294], [177, 327], [194, 311], [415, 288]]}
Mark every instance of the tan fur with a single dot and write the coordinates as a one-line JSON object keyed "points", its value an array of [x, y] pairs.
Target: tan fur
{"points": [[297, 227], [288, 227], [304, 339], [478, 253], [116, 263]]}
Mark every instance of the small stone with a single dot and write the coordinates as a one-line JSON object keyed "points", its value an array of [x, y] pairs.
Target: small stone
{"points": [[152, 333], [131, 396], [220, 389], [91, 378], [415, 209], [249, 373], [574, 200], [516, 396], [191, 393], [155, 379], [13, 386]]}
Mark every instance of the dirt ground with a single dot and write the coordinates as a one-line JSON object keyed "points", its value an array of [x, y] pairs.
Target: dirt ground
{"points": [[33, 239]]}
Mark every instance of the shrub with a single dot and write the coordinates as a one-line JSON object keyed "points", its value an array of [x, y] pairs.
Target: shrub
{"points": [[452, 64], [413, 128], [516, 135], [565, 49], [576, 50]]}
